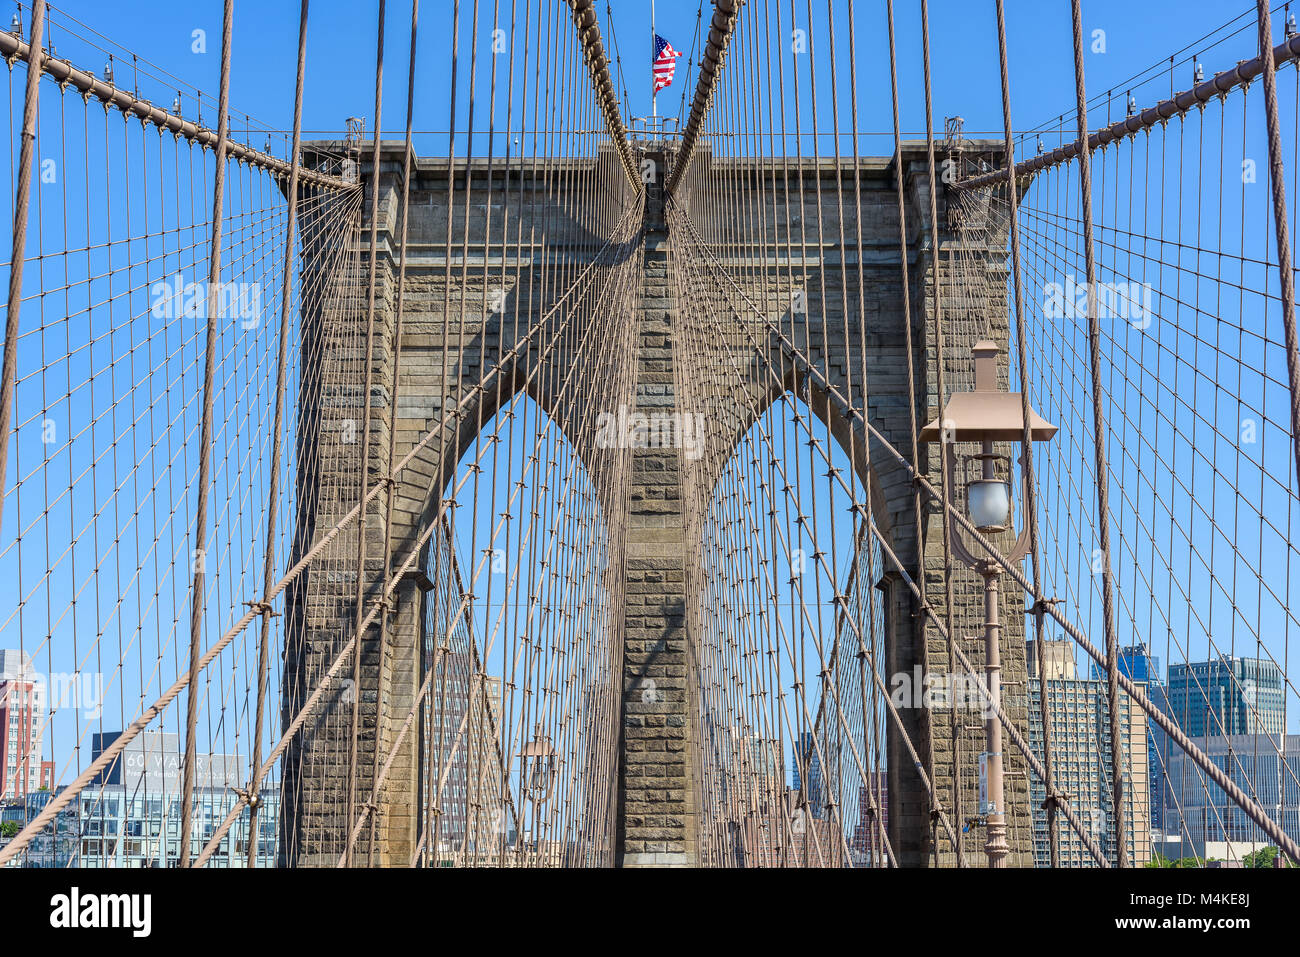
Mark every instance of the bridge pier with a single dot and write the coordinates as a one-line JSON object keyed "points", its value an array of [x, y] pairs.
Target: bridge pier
{"points": [[657, 823]]}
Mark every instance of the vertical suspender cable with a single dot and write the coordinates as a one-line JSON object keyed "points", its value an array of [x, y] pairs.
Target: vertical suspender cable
{"points": [[197, 603], [359, 592], [942, 397], [22, 198], [1099, 450], [1277, 176], [899, 185], [1026, 444], [273, 495], [392, 425]]}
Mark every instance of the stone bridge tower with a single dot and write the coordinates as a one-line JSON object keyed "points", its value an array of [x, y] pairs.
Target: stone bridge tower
{"points": [[657, 799]]}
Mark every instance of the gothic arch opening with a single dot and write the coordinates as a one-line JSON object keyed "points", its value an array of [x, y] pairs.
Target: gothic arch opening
{"points": [[520, 648], [787, 627]]}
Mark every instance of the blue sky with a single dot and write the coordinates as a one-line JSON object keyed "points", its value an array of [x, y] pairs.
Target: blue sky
{"points": [[341, 48]]}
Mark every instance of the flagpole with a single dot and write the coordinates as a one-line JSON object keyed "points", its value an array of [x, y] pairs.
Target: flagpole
{"points": [[654, 88]]}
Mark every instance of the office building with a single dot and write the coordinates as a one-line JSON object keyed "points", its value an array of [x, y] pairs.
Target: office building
{"points": [[1205, 822], [806, 754], [57, 843], [1139, 665], [465, 717], [1058, 659], [867, 846], [130, 814], [1079, 725], [1227, 696]]}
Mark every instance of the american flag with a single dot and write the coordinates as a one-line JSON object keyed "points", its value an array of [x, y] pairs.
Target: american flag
{"points": [[665, 62]]}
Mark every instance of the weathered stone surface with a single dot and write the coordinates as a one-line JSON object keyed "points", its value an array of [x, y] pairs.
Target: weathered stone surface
{"points": [[656, 703]]}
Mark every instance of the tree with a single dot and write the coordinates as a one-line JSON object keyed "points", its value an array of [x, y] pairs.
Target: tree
{"points": [[8, 829], [1264, 857], [1261, 858]]}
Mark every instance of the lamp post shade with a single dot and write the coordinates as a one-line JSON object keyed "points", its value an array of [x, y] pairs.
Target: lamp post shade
{"points": [[988, 414], [538, 768]]}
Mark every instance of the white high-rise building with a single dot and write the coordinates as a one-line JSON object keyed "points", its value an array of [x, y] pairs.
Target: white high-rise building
{"points": [[22, 719]]}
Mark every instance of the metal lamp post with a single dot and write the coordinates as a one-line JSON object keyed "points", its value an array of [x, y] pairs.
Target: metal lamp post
{"points": [[985, 416], [538, 768]]}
